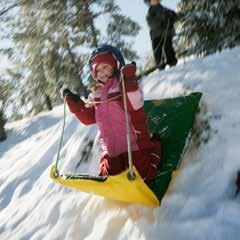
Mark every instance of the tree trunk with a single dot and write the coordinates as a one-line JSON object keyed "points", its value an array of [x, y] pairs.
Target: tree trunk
{"points": [[48, 102], [94, 35], [3, 135], [82, 89], [238, 182]]}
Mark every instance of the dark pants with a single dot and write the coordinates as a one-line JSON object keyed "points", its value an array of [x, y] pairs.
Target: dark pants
{"points": [[164, 54]]}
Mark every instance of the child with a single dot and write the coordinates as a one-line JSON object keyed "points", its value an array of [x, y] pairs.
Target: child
{"points": [[107, 111]]}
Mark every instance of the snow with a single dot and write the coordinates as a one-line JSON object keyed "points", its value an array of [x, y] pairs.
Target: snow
{"points": [[200, 204]]}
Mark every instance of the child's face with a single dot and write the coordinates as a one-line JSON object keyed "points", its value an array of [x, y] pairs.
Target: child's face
{"points": [[104, 71]]}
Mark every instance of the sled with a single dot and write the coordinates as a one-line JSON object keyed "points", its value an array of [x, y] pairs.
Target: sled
{"points": [[170, 120]]}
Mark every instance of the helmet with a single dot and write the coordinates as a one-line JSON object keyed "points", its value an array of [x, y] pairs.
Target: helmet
{"points": [[105, 49]]}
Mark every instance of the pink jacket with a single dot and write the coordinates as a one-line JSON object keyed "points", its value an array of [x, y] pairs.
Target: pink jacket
{"points": [[108, 113]]}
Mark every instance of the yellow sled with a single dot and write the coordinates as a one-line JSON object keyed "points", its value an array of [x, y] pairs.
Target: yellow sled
{"points": [[117, 187]]}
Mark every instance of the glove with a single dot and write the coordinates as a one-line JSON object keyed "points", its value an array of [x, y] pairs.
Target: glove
{"points": [[67, 93], [128, 72]]}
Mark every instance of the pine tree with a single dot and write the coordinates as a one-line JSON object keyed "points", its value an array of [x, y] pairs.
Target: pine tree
{"points": [[208, 26], [54, 39]]}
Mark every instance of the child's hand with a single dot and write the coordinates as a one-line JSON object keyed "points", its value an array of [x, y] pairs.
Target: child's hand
{"points": [[128, 71], [67, 93]]}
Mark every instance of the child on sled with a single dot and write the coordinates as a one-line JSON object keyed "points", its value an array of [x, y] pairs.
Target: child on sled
{"points": [[107, 111]]}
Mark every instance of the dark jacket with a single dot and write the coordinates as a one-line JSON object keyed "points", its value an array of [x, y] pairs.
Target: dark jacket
{"points": [[159, 20]]}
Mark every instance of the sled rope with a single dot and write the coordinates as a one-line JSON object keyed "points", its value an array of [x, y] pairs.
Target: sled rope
{"points": [[131, 174], [163, 58], [56, 174], [89, 103]]}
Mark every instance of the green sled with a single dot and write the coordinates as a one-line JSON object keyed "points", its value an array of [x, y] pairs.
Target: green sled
{"points": [[171, 120]]}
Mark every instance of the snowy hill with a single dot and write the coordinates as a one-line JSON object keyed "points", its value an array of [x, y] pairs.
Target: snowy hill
{"points": [[201, 204]]}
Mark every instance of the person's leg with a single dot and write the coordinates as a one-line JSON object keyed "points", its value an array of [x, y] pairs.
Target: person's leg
{"points": [[157, 45], [110, 165], [103, 167], [170, 52], [146, 162]]}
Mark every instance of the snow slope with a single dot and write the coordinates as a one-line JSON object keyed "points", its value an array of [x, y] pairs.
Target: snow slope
{"points": [[201, 204]]}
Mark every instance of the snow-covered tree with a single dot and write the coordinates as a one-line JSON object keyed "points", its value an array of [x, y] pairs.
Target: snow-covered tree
{"points": [[53, 39], [208, 26]]}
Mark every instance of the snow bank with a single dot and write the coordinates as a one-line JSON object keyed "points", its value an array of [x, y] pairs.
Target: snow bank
{"points": [[201, 204]]}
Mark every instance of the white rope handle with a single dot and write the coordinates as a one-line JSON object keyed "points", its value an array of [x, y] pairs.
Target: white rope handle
{"points": [[89, 103]]}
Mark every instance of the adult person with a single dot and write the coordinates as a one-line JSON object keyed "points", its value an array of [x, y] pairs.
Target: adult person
{"points": [[161, 23]]}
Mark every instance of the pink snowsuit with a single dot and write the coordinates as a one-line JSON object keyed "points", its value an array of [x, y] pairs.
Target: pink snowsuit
{"points": [[108, 113]]}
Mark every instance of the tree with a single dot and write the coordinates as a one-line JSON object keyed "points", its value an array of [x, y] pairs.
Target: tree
{"points": [[53, 39], [208, 26]]}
